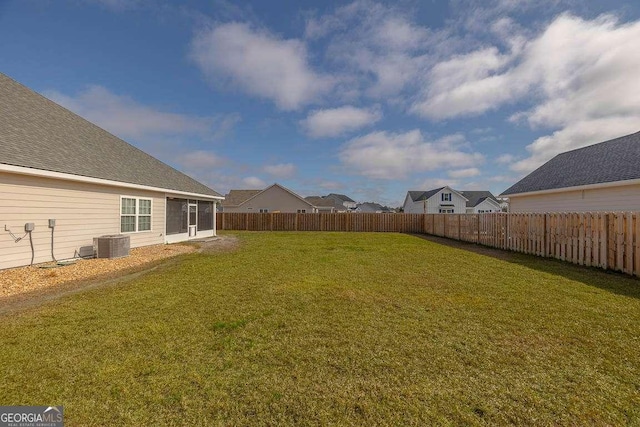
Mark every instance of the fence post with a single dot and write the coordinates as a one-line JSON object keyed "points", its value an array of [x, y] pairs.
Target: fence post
{"points": [[478, 230], [605, 242], [545, 238]]}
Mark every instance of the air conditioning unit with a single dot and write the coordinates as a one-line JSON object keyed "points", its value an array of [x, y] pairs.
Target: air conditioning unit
{"points": [[113, 246]]}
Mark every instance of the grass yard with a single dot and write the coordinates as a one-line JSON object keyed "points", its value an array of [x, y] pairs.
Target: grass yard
{"points": [[336, 328]]}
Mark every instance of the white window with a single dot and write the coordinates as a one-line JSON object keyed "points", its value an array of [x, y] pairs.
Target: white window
{"points": [[446, 210], [302, 211], [446, 197], [264, 210], [135, 214]]}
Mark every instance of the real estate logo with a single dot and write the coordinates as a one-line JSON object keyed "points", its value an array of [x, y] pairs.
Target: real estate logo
{"points": [[31, 416]]}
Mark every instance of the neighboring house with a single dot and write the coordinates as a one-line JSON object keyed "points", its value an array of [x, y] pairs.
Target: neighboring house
{"points": [[600, 177], [347, 203], [274, 198], [439, 200], [369, 207], [323, 204], [481, 202], [55, 165]]}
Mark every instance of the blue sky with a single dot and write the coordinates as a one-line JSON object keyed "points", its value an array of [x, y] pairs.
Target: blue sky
{"points": [[366, 98]]}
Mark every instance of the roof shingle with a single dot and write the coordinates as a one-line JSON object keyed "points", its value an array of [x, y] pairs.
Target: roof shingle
{"points": [[614, 160], [40, 134]]}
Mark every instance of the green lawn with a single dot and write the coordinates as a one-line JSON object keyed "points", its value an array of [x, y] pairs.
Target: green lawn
{"points": [[336, 328]]}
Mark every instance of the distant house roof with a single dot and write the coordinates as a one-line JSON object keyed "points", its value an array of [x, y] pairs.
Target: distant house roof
{"points": [[39, 134], [423, 195], [610, 161], [237, 197], [477, 197], [320, 201], [341, 197], [373, 207]]}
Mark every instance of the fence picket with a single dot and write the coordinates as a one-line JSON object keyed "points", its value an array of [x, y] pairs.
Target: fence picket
{"points": [[606, 240]]}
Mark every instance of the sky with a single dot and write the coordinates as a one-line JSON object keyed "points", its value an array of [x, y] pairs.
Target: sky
{"points": [[364, 98]]}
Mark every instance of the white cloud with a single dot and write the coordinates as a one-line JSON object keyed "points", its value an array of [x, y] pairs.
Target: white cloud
{"points": [[331, 185], [380, 46], [260, 63], [338, 121], [282, 170], [505, 158], [254, 183], [127, 118], [579, 75], [119, 5], [464, 173], [388, 155], [468, 85], [433, 183], [201, 159]]}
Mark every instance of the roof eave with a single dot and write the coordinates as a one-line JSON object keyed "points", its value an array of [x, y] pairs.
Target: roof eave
{"points": [[99, 181], [575, 188]]}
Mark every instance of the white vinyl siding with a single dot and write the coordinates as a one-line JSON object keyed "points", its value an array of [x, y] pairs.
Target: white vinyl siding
{"points": [[487, 206], [82, 211], [623, 198]]}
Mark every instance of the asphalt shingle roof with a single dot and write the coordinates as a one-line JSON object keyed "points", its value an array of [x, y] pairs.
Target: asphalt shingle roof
{"points": [[342, 197], [614, 160], [237, 197], [477, 197], [323, 202], [40, 134], [423, 195]]}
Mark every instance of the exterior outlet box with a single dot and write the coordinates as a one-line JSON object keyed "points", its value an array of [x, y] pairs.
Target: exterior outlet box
{"points": [[52, 223], [29, 226]]}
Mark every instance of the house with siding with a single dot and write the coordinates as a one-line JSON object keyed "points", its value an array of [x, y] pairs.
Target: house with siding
{"points": [[324, 204], [372, 207], [274, 198], [72, 181], [481, 202], [343, 203], [447, 200], [599, 177], [439, 200]]}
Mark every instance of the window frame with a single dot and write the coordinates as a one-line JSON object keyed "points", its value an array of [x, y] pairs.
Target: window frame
{"points": [[137, 214], [447, 197], [263, 210]]}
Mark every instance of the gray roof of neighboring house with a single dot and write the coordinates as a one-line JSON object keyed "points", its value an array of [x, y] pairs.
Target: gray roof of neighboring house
{"points": [[423, 195], [40, 134], [373, 207], [320, 201], [477, 197], [237, 197], [341, 197], [614, 160]]}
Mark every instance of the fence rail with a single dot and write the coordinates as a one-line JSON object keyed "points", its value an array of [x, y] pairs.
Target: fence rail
{"points": [[609, 240]]}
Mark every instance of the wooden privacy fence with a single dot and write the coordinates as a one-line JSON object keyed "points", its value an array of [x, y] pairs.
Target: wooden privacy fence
{"points": [[609, 240]]}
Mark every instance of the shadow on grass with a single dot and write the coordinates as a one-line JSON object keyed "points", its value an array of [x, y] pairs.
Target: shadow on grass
{"points": [[608, 280]]}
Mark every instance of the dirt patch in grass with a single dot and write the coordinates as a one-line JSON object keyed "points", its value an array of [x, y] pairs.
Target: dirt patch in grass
{"points": [[30, 286], [228, 243]]}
